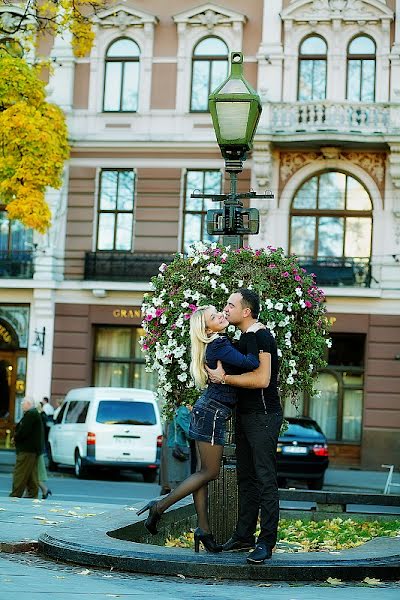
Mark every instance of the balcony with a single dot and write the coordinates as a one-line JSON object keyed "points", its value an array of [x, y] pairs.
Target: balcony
{"points": [[339, 272], [16, 264], [123, 266], [335, 117]]}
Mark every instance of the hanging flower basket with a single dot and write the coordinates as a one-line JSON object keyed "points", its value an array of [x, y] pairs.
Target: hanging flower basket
{"points": [[292, 307]]}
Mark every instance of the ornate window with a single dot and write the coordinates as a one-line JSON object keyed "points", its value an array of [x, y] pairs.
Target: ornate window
{"points": [[121, 80], [195, 209], [115, 210], [361, 69], [209, 69], [312, 69], [331, 228]]}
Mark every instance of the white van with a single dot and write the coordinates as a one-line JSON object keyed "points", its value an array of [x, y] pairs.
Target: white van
{"points": [[107, 427]]}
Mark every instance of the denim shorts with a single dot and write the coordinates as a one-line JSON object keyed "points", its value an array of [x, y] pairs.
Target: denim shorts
{"points": [[208, 421]]}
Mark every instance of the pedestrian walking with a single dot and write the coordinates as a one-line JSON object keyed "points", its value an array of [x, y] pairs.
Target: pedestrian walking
{"points": [[208, 417], [29, 441], [42, 471], [258, 422]]}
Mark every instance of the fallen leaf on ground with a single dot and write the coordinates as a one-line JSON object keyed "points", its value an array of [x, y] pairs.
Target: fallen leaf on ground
{"points": [[264, 585], [372, 581], [180, 575], [108, 576], [60, 577], [84, 572], [334, 581]]}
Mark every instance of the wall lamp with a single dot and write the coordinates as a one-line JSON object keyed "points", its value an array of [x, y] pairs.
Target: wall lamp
{"points": [[38, 344]]}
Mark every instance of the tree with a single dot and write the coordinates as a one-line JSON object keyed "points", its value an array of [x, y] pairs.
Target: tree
{"points": [[34, 143], [52, 16], [292, 307]]}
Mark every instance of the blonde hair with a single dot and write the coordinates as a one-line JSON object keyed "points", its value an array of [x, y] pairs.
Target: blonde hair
{"points": [[198, 342]]}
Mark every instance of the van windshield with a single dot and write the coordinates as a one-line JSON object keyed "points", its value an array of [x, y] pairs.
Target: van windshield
{"points": [[115, 412]]}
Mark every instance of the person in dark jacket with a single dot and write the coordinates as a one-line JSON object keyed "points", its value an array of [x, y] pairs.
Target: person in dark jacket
{"points": [[209, 416], [29, 441]]}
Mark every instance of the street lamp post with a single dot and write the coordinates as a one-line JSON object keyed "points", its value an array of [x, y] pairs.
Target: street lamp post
{"points": [[235, 109]]}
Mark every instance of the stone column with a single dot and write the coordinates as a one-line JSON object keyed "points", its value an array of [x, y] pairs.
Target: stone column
{"points": [[61, 82], [395, 58], [39, 366], [270, 52]]}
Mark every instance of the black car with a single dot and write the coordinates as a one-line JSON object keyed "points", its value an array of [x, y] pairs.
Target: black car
{"points": [[302, 453]]}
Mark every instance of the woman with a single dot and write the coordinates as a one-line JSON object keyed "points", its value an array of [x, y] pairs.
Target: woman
{"points": [[42, 472], [209, 415]]}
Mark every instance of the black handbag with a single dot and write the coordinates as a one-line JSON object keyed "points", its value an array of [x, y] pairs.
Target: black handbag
{"points": [[181, 454]]}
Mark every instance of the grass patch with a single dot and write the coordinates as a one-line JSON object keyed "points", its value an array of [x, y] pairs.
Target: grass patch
{"points": [[316, 536]]}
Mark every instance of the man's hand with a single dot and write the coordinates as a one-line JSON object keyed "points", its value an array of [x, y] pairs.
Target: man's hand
{"points": [[216, 375]]}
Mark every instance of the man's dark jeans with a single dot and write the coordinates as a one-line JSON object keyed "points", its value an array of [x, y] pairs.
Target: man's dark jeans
{"points": [[256, 441]]}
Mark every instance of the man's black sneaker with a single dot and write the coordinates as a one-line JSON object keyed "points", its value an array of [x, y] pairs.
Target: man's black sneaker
{"points": [[235, 545], [260, 553]]}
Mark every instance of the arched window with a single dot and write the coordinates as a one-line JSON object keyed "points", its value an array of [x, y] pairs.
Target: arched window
{"points": [[209, 69], [312, 69], [361, 69], [121, 80], [331, 229]]}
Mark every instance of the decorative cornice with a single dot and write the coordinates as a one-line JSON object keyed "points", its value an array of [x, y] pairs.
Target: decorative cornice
{"points": [[314, 11], [209, 16], [122, 17]]}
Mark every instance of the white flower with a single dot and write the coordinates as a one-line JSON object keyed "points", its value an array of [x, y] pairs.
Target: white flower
{"points": [[168, 387], [299, 291], [279, 352], [328, 343], [223, 287], [213, 283], [290, 380], [279, 306], [162, 267], [269, 304], [237, 335], [231, 328], [302, 304], [311, 368], [292, 363], [240, 283], [163, 319], [214, 269], [185, 304], [182, 376], [289, 307], [224, 256], [271, 325]]}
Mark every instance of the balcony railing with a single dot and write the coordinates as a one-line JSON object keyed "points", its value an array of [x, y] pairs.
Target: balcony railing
{"points": [[16, 264], [123, 266], [341, 272], [341, 117]]}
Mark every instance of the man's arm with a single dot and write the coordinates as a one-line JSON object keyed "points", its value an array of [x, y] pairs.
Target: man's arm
{"points": [[259, 378]]}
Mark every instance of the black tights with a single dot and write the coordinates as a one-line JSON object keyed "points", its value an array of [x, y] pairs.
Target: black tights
{"points": [[208, 466]]}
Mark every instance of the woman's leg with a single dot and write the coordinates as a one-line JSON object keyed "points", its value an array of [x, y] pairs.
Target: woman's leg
{"points": [[210, 463]]}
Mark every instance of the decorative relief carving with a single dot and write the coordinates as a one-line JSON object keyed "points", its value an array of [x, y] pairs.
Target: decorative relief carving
{"points": [[372, 162], [209, 19], [328, 10], [210, 16], [262, 164], [121, 20]]}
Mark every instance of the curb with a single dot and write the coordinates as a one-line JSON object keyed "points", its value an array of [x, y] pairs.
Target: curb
{"points": [[19, 547]]}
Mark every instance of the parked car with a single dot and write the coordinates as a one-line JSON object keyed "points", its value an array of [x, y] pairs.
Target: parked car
{"points": [[302, 453], [118, 428]]}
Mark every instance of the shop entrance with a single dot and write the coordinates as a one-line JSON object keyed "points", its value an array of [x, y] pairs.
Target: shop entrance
{"points": [[12, 381]]}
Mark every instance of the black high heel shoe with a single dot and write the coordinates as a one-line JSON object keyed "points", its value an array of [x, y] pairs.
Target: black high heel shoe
{"points": [[153, 518], [47, 494], [208, 541]]}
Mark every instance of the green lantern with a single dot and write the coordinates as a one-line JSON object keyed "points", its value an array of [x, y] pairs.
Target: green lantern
{"points": [[235, 109]]}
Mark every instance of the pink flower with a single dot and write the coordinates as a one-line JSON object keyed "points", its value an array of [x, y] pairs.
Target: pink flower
{"points": [[145, 347], [159, 311], [297, 278], [304, 270], [285, 274], [217, 252], [148, 318], [258, 252], [223, 260], [193, 307], [308, 304], [173, 326], [271, 266], [186, 316]]}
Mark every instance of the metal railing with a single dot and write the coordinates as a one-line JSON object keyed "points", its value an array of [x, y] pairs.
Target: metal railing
{"points": [[123, 266], [339, 272], [16, 264]]}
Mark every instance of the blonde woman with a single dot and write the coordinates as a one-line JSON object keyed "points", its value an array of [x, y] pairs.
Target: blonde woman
{"points": [[209, 416]]}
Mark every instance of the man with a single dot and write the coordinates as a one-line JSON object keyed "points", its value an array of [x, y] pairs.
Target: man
{"points": [[258, 422], [29, 440]]}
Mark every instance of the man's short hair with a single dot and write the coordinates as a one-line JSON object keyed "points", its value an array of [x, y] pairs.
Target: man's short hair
{"points": [[250, 299]]}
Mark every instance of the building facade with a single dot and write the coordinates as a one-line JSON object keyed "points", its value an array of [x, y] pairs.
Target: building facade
{"points": [[327, 145]]}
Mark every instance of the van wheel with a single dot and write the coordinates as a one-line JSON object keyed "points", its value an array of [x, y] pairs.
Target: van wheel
{"points": [[150, 475], [52, 466], [80, 470]]}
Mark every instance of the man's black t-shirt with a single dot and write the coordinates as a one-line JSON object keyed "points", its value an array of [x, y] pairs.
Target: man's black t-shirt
{"points": [[266, 399]]}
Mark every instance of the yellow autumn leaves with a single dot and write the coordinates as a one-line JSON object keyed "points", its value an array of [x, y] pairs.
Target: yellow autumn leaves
{"points": [[33, 143]]}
